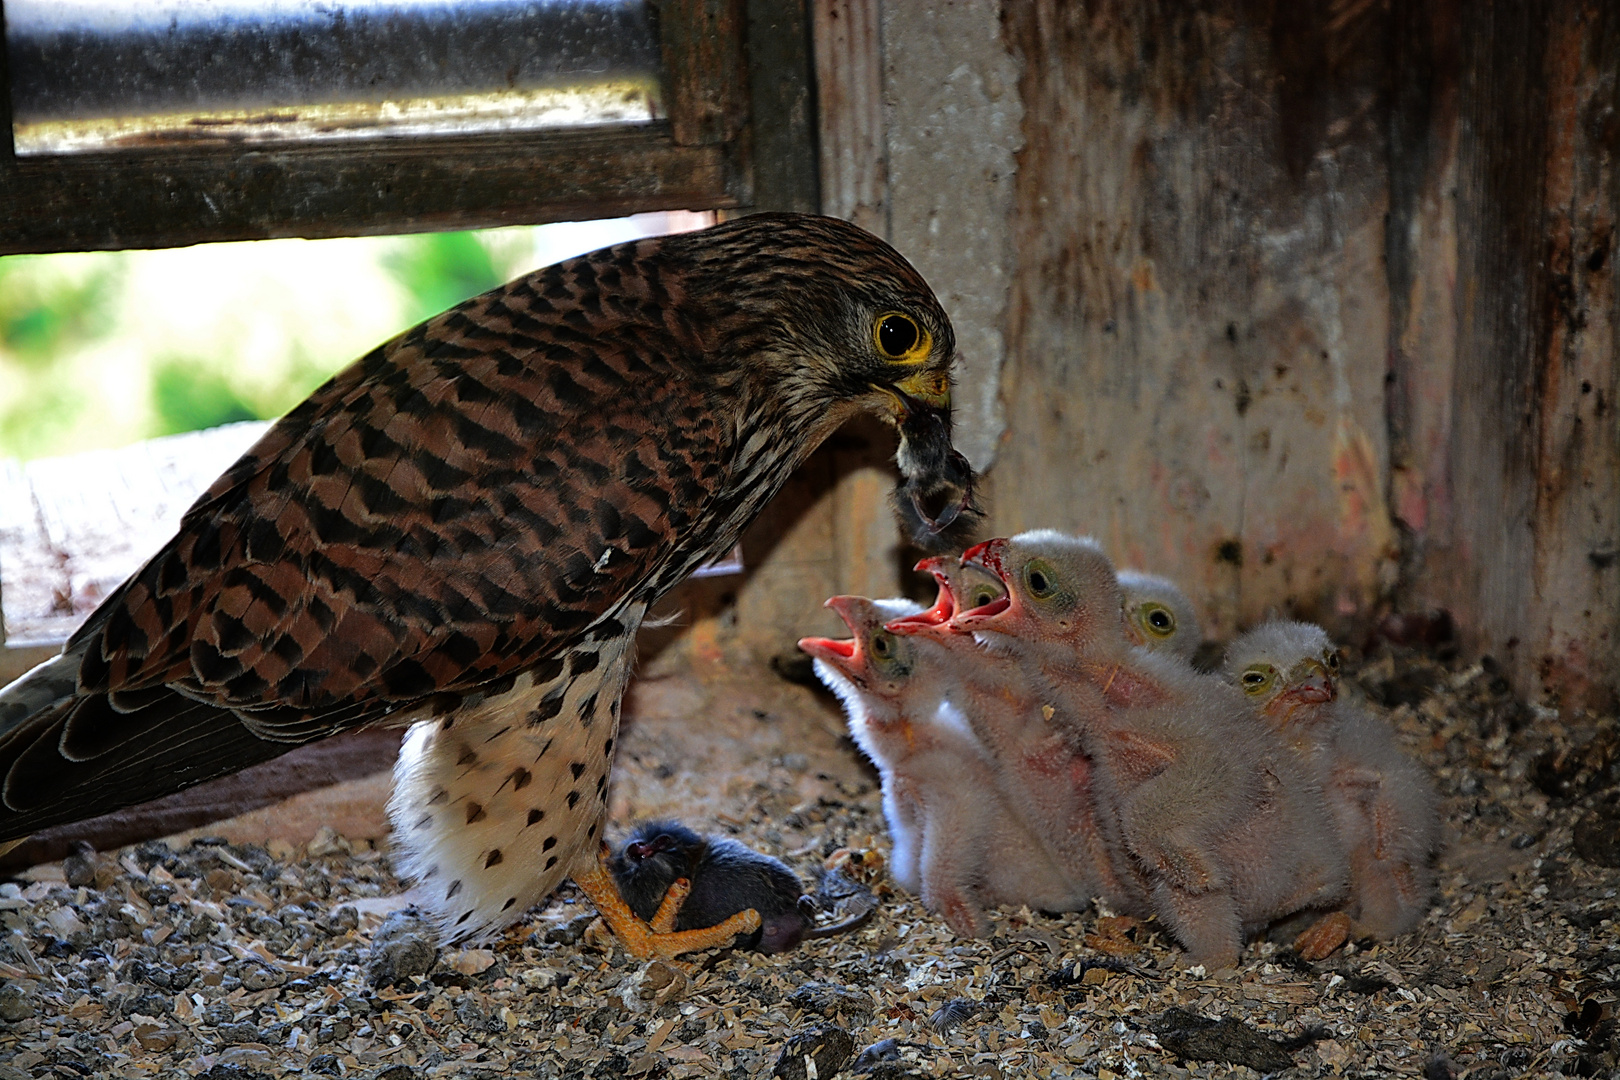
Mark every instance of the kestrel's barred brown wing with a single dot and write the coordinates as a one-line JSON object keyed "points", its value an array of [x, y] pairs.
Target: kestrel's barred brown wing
{"points": [[468, 522], [396, 535]]}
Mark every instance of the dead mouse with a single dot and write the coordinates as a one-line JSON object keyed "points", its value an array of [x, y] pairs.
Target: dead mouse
{"points": [[726, 877]]}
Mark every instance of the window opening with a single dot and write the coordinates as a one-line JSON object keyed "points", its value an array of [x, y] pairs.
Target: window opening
{"points": [[92, 75]]}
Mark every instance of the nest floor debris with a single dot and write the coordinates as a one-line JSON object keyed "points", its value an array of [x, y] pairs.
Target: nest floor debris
{"points": [[221, 960]]}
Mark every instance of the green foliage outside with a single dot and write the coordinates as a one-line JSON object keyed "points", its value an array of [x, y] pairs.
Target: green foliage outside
{"points": [[44, 310], [104, 348], [440, 270]]}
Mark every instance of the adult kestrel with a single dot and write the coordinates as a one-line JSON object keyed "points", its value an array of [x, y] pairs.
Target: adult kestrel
{"points": [[463, 529]]}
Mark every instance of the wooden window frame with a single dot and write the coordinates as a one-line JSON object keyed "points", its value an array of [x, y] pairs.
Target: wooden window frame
{"points": [[740, 135]]}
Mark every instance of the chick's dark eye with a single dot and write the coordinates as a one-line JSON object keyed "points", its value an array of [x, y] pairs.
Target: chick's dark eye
{"points": [[1038, 580], [1161, 620], [897, 335], [880, 646]]}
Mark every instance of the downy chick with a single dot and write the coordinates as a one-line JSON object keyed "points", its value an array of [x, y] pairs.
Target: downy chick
{"points": [[1041, 774], [955, 842], [1158, 614], [1383, 803], [1225, 828]]}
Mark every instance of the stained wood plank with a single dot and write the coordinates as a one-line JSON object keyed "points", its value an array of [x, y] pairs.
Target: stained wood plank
{"points": [[173, 198], [1509, 483], [854, 136], [703, 66], [1198, 318]]}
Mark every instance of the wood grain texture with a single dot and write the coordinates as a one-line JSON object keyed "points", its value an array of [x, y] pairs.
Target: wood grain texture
{"points": [[171, 198], [1198, 319], [1510, 486], [704, 68], [854, 134], [1314, 311]]}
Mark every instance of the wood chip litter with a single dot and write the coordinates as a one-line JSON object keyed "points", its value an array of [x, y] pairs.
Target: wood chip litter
{"points": [[221, 960]]}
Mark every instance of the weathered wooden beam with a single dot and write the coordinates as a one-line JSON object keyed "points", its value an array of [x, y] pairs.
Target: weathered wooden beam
{"points": [[782, 104], [168, 198], [854, 135], [700, 157], [704, 69]]}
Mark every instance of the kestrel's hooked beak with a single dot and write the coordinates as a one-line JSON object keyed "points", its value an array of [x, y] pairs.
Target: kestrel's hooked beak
{"points": [[944, 604]]}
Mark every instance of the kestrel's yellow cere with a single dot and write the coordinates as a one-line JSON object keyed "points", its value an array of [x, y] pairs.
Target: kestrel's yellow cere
{"points": [[463, 529]]}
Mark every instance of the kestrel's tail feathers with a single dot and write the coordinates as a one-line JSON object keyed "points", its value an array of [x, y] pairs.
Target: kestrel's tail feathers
{"points": [[496, 803], [66, 755], [163, 748]]}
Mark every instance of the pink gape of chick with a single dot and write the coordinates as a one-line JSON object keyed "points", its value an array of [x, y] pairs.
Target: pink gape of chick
{"points": [[1222, 825], [954, 839], [1039, 770], [1383, 803]]}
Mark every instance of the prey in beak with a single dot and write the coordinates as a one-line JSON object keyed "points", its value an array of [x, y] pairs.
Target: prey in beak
{"points": [[935, 496]]}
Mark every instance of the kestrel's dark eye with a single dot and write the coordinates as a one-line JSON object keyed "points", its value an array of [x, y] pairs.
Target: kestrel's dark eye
{"points": [[983, 597], [881, 646], [1333, 662], [897, 336]]}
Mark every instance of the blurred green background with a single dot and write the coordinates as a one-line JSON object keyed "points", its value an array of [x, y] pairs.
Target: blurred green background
{"points": [[100, 349]]}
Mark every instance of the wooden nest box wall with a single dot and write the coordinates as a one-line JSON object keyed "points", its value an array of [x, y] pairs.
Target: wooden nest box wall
{"points": [[1309, 306]]}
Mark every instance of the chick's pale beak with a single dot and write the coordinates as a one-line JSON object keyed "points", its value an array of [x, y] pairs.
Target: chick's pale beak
{"points": [[1313, 685], [840, 654], [944, 604]]}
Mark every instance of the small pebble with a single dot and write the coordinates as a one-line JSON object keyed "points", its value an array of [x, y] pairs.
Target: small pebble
{"points": [[403, 946], [829, 1047], [15, 1004], [328, 841], [239, 1033], [886, 1050], [829, 999], [261, 976], [79, 868]]}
